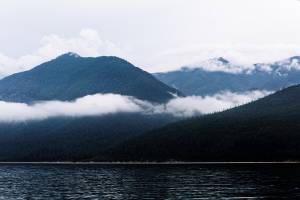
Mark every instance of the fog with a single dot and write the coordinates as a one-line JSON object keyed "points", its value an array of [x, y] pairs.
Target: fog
{"points": [[196, 105], [92, 105], [103, 104]]}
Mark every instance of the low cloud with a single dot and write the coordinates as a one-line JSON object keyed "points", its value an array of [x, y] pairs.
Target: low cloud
{"points": [[92, 105], [103, 104], [196, 105]]}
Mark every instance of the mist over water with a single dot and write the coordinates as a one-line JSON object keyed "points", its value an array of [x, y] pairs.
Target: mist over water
{"points": [[247, 181]]}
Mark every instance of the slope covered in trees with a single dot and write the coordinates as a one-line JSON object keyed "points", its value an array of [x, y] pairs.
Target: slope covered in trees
{"points": [[265, 130], [72, 139]]}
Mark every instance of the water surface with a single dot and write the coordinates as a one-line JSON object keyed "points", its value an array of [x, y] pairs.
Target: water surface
{"points": [[242, 181]]}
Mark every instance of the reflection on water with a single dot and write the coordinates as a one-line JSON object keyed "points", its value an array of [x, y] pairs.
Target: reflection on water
{"points": [[247, 181]]}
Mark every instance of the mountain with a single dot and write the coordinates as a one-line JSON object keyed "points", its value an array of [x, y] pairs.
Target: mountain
{"points": [[76, 138], [70, 76], [264, 130], [218, 74]]}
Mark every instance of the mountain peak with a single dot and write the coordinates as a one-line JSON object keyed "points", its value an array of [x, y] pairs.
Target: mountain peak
{"points": [[69, 77], [69, 55], [221, 59], [219, 64], [295, 58]]}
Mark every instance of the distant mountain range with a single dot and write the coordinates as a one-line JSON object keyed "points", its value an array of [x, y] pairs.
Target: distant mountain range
{"points": [[218, 74], [265, 130], [66, 78], [70, 76]]}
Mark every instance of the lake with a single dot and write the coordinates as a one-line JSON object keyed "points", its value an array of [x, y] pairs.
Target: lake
{"points": [[219, 181]]}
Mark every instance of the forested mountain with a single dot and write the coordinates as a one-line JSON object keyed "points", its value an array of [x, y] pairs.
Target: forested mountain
{"points": [[219, 74], [75, 138], [265, 130], [70, 76]]}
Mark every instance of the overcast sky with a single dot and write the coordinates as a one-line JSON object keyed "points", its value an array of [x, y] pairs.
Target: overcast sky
{"points": [[156, 35]]}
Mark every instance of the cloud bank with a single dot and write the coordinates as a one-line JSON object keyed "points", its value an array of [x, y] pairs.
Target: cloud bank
{"points": [[91, 105], [103, 104], [196, 105]]}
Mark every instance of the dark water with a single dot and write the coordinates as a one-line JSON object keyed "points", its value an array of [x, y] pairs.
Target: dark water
{"points": [[247, 181]]}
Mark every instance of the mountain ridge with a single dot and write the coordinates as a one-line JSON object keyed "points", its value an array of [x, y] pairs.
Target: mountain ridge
{"points": [[68, 77], [271, 77]]}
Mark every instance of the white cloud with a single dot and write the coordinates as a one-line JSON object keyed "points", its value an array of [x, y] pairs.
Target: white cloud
{"points": [[87, 43], [195, 105], [102, 104], [92, 105]]}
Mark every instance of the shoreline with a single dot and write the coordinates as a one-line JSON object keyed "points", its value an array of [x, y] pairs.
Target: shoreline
{"points": [[148, 163]]}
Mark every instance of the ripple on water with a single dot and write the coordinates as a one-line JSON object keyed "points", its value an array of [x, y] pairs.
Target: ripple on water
{"points": [[149, 182]]}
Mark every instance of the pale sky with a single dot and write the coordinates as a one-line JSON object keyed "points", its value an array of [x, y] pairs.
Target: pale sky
{"points": [[156, 35]]}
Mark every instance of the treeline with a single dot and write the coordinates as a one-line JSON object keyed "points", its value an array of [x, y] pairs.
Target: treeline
{"points": [[264, 130], [72, 139]]}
